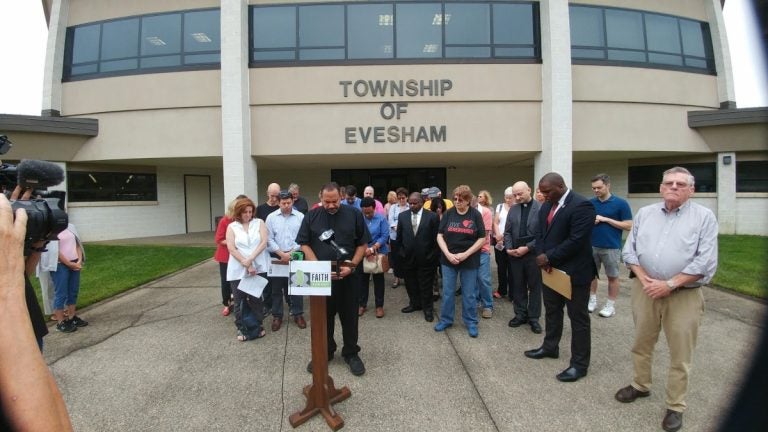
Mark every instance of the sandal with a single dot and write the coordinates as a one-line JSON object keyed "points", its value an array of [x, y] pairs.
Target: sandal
{"points": [[241, 337], [261, 334]]}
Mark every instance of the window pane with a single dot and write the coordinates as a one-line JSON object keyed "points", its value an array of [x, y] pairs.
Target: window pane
{"points": [[85, 69], [624, 29], [662, 33], [624, 55], [163, 61], [111, 186], [468, 24], [119, 65], [513, 52], [584, 53], [512, 24], [274, 55], [669, 59], [693, 38], [419, 30], [202, 58], [202, 31], [161, 34], [321, 26], [752, 176], [120, 39], [85, 44], [370, 30], [322, 54], [586, 26], [697, 63], [468, 52], [274, 27]]}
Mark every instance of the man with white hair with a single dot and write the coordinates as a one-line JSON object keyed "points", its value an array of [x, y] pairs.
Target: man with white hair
{"points": [[672, 250]]}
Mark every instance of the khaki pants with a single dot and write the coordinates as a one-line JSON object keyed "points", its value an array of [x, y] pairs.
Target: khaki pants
{"points": [[679, 314]]}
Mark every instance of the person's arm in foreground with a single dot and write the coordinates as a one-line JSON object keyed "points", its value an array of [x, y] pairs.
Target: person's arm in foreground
{"points": [[30, 398]]}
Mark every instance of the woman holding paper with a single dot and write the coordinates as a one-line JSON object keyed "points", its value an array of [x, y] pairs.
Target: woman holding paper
{"points": [[247, 243]]}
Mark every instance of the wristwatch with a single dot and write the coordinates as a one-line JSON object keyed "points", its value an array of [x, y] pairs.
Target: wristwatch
{"points": [[671, 285]]}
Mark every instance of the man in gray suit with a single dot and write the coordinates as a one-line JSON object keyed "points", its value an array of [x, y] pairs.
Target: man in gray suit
{"points": [[519, 240]]}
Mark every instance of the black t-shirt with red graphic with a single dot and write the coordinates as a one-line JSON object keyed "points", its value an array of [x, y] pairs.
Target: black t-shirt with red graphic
{"points": [[460, 232]]}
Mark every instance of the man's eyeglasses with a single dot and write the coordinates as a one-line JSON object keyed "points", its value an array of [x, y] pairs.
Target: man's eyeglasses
{"points": [[670, 184]]}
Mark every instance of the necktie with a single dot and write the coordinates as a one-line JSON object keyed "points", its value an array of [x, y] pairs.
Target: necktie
{"points": [[551, 214], [415, 221]]}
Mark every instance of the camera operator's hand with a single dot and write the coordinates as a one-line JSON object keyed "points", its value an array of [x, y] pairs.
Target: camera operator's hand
{"points": [[12, 260], [22, 194], [29, 396]]}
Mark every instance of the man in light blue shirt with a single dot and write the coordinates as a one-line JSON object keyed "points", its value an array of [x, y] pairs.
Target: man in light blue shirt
{"points": [[282, 226], [351, 199]]}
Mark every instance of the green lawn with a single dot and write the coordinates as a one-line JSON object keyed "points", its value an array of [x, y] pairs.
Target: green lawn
{"points": [[742, 265], [110, 270]]}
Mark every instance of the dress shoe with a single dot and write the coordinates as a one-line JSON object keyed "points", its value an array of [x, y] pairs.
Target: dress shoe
{"points": [[535, 327], [571, 374], [540, 353], [299, 320], [429, 316], [379, 312], [673, 421], [517, 321], [410, 309], [276, 323], [629, 394], [356, 365]]}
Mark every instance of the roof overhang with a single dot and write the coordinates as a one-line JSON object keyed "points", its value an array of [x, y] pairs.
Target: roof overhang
{"points": [[731, 130]]}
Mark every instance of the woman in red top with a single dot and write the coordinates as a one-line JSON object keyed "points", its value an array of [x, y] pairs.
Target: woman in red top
{"points": [[222, 256]]}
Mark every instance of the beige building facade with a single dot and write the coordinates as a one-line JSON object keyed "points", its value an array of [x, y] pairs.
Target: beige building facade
{"points": [[206, 132]]}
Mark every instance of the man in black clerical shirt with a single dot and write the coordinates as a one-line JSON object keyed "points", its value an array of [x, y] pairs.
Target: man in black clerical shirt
{"points": [[352, 235]]}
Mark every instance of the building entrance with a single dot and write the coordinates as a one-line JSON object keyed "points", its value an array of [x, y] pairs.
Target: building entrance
{"points": [[384, 180]]}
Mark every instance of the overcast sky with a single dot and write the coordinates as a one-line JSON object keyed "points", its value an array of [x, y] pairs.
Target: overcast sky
{"points": [[23, 36]]}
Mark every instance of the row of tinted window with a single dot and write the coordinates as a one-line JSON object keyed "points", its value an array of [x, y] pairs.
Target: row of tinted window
{"points": [[94, 186], [751, 176], [149, 42], [622, 35], [383, 31]]}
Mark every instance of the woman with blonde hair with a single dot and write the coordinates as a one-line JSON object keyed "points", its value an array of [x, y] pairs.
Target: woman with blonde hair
{"points": [[391, 200]]}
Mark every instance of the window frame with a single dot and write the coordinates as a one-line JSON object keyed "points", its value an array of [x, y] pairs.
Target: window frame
{"points": [[115, 177], [138, 70], [442, 59], [708, 58]]}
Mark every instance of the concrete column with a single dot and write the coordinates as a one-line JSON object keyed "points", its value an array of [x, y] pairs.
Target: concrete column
{"points": [[54, 58], [238, 164], [726, 192], [725, 90], [556, 106]]}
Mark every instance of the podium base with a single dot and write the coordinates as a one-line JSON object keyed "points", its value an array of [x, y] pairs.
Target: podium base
{"points": [[320, 400]]}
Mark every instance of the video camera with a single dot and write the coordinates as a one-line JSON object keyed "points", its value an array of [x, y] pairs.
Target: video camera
{"points": [[45, 212]]}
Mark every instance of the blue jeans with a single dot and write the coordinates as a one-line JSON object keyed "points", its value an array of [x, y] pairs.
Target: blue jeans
{"points": [[484, 294], [468, 295], [66, 286]]}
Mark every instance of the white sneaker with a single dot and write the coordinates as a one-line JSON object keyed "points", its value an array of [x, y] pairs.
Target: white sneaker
{"points": [[608, 311], [592, 304]]}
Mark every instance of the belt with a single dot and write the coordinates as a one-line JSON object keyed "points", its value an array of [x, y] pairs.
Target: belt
{"points": [[686, 287]]}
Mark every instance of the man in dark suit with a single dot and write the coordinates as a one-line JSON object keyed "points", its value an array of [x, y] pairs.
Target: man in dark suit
{"points": [[418, 254], [563, 241], [519, 240]]}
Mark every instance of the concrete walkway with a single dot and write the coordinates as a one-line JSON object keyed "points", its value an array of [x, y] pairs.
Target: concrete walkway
{"points": [[162, 358]]}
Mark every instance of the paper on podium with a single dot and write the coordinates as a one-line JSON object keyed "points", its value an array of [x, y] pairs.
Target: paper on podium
{"points": [[252, 285], [558, 280]]}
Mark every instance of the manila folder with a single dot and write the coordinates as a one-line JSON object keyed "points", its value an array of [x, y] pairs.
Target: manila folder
{"points": [[558, 280]]}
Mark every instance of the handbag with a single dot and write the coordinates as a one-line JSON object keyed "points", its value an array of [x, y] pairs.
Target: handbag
{"points": [[376, 266]]}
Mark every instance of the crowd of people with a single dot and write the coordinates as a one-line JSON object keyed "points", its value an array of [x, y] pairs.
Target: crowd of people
{"points": [[441, 249]]}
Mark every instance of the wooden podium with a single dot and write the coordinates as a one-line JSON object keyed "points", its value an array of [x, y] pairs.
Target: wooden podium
{"points": [[322, 393]]}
